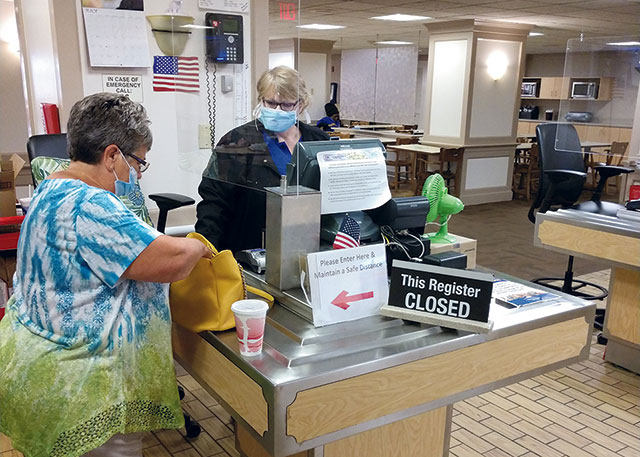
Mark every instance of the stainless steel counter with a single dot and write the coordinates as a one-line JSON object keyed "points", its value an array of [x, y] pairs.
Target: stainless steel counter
{"points": [[297, 357]]}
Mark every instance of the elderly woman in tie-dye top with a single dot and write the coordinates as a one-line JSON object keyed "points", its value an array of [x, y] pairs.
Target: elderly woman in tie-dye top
{"points": [[85, 348]]}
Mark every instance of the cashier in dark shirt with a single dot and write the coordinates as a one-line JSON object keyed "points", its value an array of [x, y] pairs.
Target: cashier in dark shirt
{"points": [[251, 157]]}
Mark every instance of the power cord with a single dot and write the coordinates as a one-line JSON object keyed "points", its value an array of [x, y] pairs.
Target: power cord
{"points": [[211, 101], [398, 243]]}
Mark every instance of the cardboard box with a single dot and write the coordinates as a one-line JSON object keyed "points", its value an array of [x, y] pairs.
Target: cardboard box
{"points": [[7, 267], [463, 245], [10, 166]]}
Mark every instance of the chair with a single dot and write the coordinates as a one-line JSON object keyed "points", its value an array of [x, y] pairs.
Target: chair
{"points": [[562, 178], [615, 154], [526, 173], [446, 158], [55, 145], [402, 163]]}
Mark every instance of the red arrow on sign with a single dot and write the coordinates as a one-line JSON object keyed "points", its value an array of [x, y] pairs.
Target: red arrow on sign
{"points": [[343, 298]]}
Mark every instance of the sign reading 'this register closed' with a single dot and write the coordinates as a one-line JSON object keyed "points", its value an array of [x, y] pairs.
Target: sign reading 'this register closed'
{"points": [[441, 296]]}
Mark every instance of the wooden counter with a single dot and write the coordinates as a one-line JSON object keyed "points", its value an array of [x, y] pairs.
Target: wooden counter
{"points": [[618, 243]]}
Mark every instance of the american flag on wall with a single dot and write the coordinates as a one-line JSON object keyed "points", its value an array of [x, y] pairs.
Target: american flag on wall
{"points": [[348, 235], [176, 74]]}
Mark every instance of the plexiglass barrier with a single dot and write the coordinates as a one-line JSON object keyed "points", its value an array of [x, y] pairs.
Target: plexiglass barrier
{"points": [[598, 98]]}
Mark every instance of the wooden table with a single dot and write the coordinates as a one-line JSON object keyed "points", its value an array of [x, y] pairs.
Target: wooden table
{"points": [[604, 238], [376, 133], [378, 127], [528, 136], [587, 145], [431, 154], [383, 140]]}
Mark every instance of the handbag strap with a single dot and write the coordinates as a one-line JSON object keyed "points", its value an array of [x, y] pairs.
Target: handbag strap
{"points": [[203, 240], [261, 293]]}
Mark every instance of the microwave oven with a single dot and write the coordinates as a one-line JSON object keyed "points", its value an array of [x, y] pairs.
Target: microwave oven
{"points": [[529, 89], [584, 89]]}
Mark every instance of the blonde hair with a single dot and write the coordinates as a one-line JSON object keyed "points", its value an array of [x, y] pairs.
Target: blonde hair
{"points": [[286, 82]]}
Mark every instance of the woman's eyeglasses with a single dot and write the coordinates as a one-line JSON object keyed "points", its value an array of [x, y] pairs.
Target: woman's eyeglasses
{"points": [[285, 106], [144, 165]]}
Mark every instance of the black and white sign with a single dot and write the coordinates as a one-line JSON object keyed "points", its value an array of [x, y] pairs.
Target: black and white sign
{"points": [[129, 85], [442, 296]]}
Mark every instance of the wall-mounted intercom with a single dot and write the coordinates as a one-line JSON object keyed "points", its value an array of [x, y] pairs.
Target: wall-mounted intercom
{"points": [[224, 38]]}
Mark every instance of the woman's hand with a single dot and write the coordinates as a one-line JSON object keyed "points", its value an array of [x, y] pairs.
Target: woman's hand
{"points": [[167, 259]]}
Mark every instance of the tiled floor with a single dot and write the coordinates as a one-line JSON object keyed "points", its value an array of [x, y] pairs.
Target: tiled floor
{"points": [[588, 409]]}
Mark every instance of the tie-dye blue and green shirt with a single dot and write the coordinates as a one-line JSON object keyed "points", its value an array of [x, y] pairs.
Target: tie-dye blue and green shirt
{"points": [[84, 353]]}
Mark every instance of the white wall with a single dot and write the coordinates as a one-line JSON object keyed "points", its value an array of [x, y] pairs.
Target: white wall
{"points": [[13, 112], [493, 100], [379, 84], [358, 84], [281, 58], [448, 87], [35, 22], [397, 69], [421, 90], [313, 70], [177, 162]]}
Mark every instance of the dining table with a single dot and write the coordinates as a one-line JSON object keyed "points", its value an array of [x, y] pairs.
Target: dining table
{"points": [[430, 154]]}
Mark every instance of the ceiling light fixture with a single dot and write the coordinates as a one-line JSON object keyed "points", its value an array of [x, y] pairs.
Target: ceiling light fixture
{"points": [[401, 17], [394, 42], [624, 43], [535, 34], [321, 26]]}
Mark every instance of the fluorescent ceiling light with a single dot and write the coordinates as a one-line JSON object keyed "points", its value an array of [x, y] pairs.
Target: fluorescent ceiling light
{"points": [[401, 17], [535, 34], [394, 42], [321, 26], [625, 43]]}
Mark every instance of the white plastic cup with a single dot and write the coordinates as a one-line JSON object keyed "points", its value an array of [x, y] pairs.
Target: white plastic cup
{"points": [[250, 316], [24, 204]]}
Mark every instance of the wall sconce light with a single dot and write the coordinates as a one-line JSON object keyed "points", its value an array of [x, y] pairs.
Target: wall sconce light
{"points": [[169, 32], [9, 35], [497, 65]]}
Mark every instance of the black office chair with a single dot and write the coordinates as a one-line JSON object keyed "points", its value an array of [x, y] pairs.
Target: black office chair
{"points": [[55, 145], [562, 178]]}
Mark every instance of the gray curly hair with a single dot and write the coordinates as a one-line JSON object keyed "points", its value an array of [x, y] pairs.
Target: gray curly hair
{"points": [[101, 119]]}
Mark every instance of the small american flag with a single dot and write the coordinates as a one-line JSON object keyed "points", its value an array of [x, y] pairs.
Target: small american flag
{"points": [[349, 234], [176, 74]]}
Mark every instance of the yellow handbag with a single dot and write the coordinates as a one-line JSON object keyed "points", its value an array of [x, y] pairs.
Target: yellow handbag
{"points": [[203, 300]]}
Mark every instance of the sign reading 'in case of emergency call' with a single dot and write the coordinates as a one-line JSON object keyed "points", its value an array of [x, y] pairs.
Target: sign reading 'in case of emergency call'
{"points": [[129, 85], [347, 284]]}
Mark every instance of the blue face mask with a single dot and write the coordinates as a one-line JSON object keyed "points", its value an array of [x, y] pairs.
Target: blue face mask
{"points": [[123, 188], [277, 120]]}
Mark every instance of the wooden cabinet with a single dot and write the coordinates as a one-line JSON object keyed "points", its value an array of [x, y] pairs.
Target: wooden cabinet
{"points": [[558, 88], [600, 133], [554, 88], [604, 89]]}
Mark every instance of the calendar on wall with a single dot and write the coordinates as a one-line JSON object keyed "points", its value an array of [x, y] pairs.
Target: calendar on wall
{"points": [[239, 6], [116, 38]]}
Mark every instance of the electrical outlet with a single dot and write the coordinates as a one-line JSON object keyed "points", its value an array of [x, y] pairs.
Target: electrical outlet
{"points": [[204, 136]]}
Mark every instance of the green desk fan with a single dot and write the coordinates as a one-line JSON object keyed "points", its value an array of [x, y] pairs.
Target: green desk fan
{"points": [[441, 205]]}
